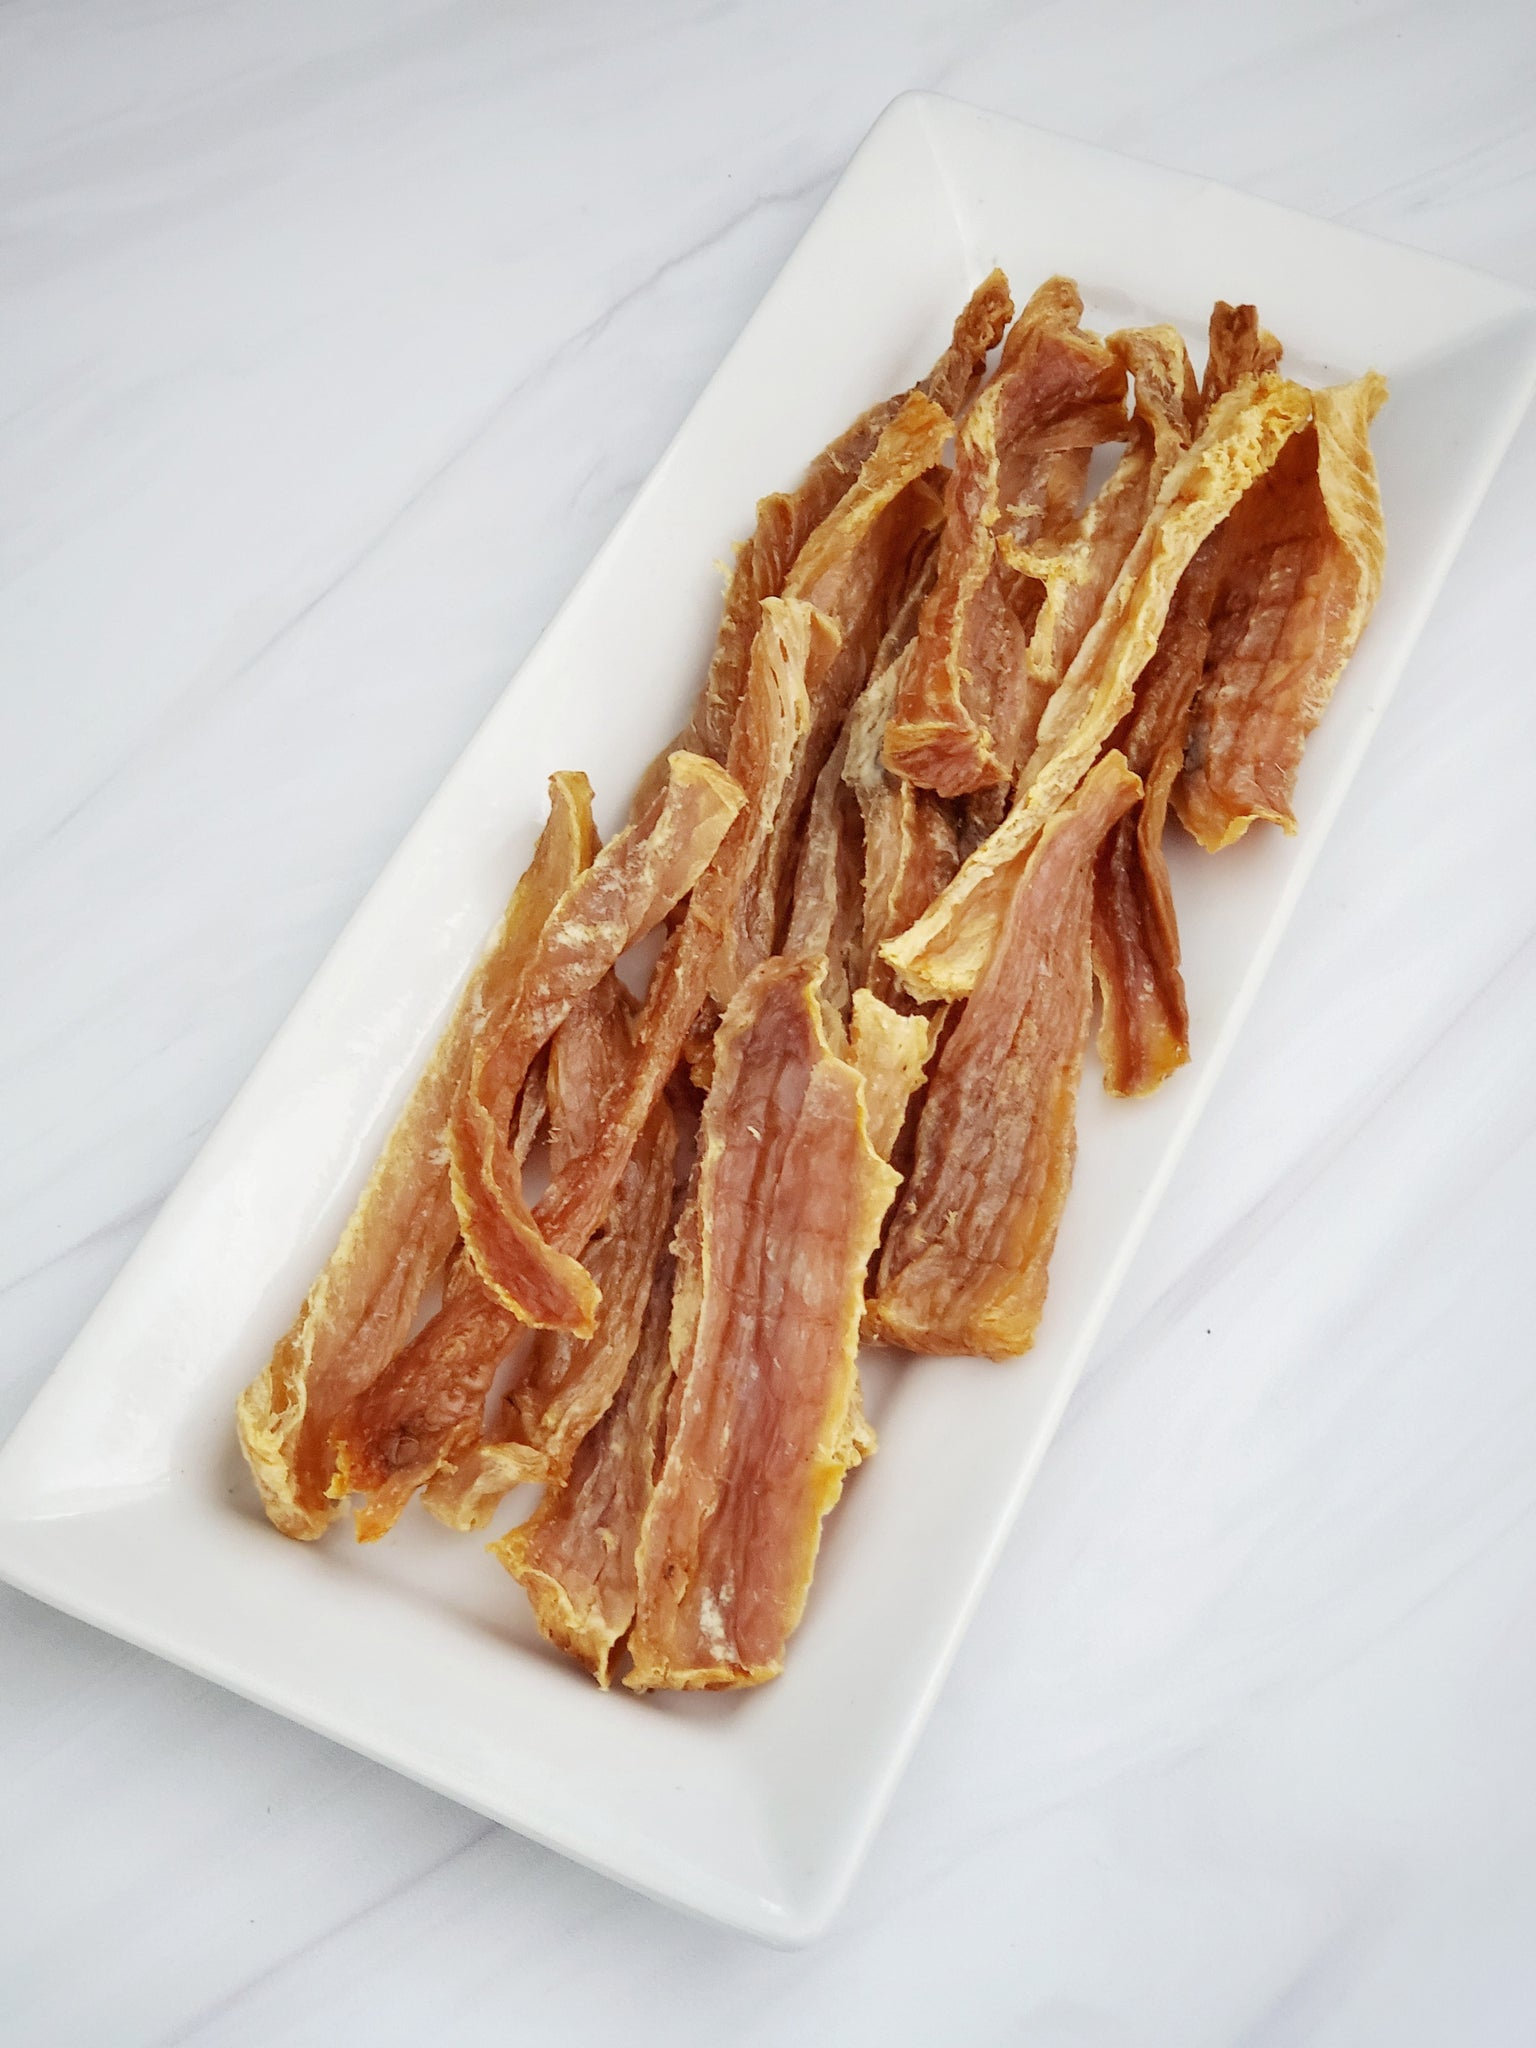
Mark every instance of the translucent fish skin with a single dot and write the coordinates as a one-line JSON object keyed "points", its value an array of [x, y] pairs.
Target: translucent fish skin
{"points": [[789, 1204], [398, 1238], [960, 718], [1301, 570], [943, 954], [575, 1555], [636, 879], [965, 1259]]}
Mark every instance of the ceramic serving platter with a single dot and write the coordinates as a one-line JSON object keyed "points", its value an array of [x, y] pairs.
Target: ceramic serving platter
{"points": [[122, 1496]]}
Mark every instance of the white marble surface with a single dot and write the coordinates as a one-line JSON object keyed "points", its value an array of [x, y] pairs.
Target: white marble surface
{"points": [[334, 337]]}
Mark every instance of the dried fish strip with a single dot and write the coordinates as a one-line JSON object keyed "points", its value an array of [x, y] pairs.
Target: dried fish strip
{"points": [[826, 915], [855, 568], [944, 953], [562, 1385], [590, 1049], [1238, 348], [466, 1496], [420, 1421], [1064, 397], [961, 719], [786, 520], [631, 885], [850, 564], [891, 1051], [716, 935], [793, 650], [835, 571], [965, 1259], [979, 327], [1302, 565], [911, 848], [1144, 1015], [790, 1200], [398, 1238], [1078, 574], [567, 1382], [575, 1555], [424, 1414]]}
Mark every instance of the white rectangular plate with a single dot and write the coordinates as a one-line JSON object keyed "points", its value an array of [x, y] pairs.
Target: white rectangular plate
{"points": [[122, 1496]]}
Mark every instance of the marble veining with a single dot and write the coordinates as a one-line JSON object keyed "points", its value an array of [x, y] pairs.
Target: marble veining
{"points": [[334, 340]]}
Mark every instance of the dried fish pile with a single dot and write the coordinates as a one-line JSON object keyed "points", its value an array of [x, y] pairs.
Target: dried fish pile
{"points": [[916, 818]]}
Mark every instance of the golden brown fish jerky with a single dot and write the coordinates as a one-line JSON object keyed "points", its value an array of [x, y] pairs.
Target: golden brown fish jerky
{"points": [[852, 564], [965, 1260], [631, 885], [359, 1310], [838, 570], [717, 936], [793, 650], [575, 1555], [856, 569], [943, 954], [560, 1384], [420, 1420], [1238, 348], [786, 520], [424, 1411], [1065, 397], [423, 1415], [1144, 1016], [1078, 572], [567, 1382], [890, 1050], [789, 1205], [586, 1055], [827, 904], [911, 848], [465, 1496], [979, 327], [825, 910], [532, 1111], [1301, 568], [960, 720]]}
